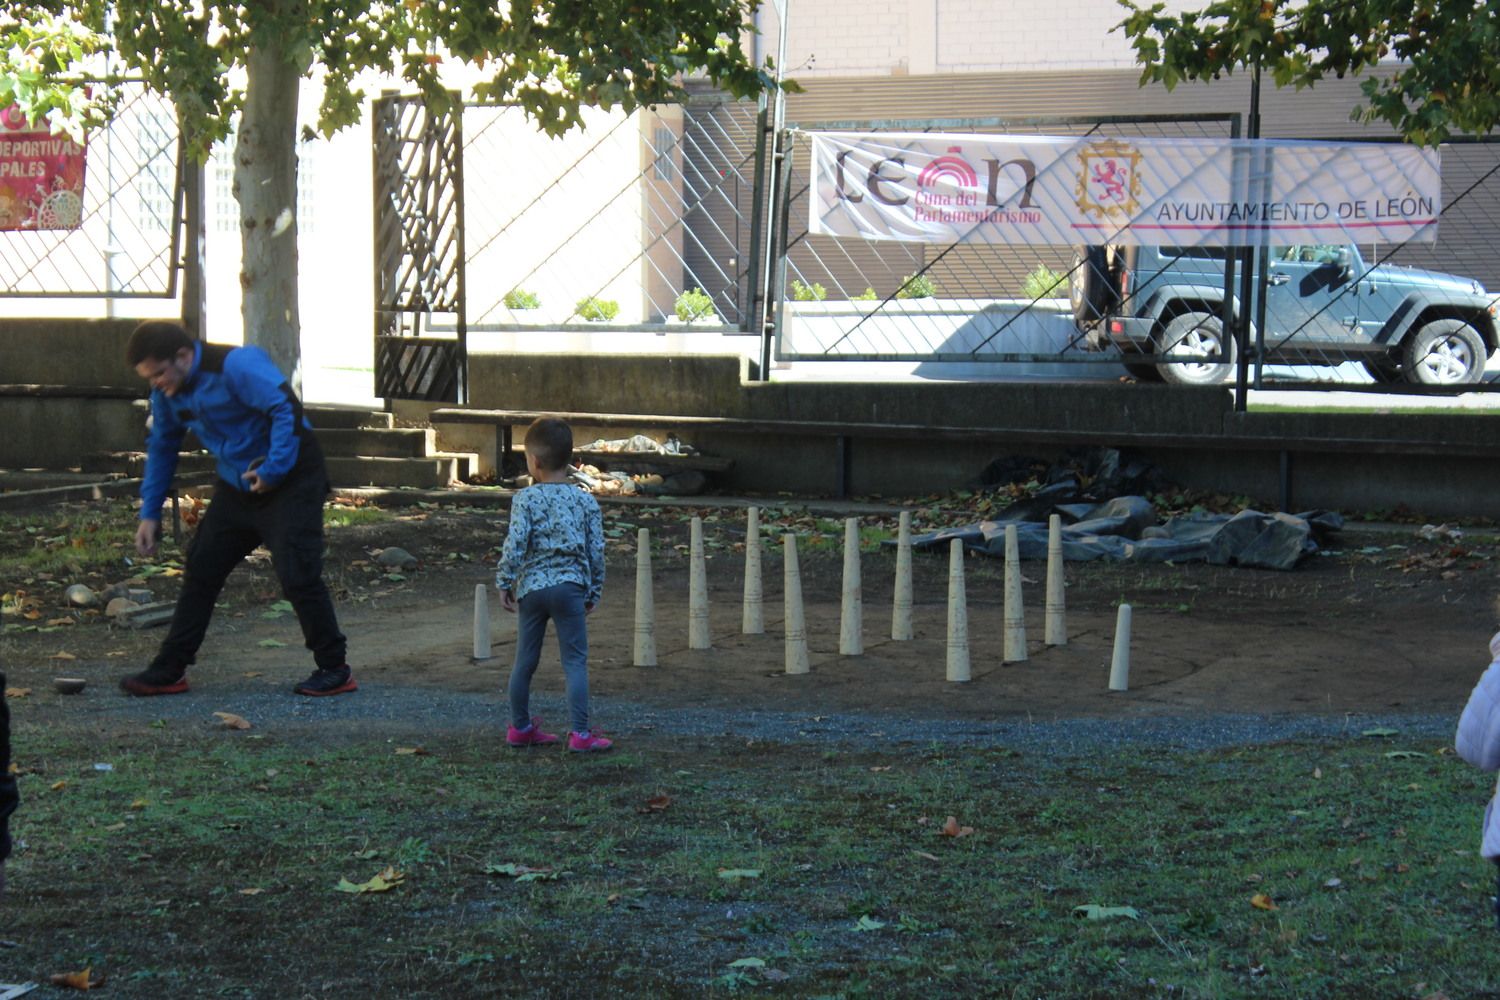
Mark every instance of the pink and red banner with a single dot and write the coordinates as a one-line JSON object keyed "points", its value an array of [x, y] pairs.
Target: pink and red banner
{"points": [[41, 176]]}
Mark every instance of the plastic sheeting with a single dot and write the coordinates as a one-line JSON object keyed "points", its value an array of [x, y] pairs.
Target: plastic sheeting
{"points": [[1127, 528]]}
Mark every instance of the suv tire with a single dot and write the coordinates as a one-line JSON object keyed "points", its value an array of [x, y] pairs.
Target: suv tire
{"points": [[1444, 352], [1196, 335], [1089, 289]]}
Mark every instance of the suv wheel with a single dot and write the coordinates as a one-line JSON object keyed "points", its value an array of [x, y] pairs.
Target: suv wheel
{"points": [[1444, 352], [1207, 356], [1089, 291]]}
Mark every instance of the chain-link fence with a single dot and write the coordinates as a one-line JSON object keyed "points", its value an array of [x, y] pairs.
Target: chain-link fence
{"points": [[126, 245], [1416, 317], [850, 299], [632, 220], [1410, 316]]}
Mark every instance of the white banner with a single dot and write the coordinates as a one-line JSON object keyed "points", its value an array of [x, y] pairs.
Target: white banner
{"points": [[1059, 191]]}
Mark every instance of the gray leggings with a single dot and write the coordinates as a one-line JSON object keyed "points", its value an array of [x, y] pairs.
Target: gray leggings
{"points": [[563, 605]]}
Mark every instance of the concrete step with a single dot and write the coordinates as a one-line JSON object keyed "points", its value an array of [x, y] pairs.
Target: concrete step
{"points": [[132, 464], [384, 442], [424, 472], [431, 472], [330, 415]]}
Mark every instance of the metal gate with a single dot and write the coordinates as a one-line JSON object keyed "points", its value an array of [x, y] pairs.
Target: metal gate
{"points": [[419, 252]]}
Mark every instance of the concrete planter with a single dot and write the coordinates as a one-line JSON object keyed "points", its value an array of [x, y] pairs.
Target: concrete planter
{"points": [[970, 328]]}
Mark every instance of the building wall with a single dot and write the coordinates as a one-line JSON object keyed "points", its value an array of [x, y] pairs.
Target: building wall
{"points": [[918, 37]]}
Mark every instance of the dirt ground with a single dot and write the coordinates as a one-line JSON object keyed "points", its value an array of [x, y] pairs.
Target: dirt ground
{"points": [[1384, 622]]}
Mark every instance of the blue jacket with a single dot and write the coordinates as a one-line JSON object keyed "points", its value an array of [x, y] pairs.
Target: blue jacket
{"points": [[241, 408]]}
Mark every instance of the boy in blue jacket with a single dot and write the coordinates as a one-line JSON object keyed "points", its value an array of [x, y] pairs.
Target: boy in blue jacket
{"points": [[270, 491]]}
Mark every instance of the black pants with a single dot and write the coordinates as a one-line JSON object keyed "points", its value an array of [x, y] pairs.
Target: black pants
{"points": [[289, 522]]}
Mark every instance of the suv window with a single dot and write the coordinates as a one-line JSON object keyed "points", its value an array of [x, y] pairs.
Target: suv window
{"points": [[1202, 253], [1317, 253]]}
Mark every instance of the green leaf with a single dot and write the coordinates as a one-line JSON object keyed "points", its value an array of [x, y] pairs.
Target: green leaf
{"points": [[522, 873], [734, 874], [868, 923], [271, 644], [1093, 911]]}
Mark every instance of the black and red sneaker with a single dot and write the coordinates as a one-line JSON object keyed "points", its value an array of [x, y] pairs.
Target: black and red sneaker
{"points": [[155, 680], [326, 681]]}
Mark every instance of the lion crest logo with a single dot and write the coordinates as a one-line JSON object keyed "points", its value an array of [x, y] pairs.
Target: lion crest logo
{"points": [[1109, 179]]}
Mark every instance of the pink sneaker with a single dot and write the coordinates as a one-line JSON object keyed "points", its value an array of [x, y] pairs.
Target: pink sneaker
{"points": [[588, 743], [531, 736]]}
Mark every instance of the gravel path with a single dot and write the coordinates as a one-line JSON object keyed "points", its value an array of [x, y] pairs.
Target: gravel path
{"points": [[413, 713]]}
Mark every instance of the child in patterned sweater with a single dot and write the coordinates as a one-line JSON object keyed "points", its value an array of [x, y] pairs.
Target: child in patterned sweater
{"points": [[552, 568]]}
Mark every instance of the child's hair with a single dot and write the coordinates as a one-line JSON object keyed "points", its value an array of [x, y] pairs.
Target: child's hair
{"points": [[157, 339], [550, 439]]}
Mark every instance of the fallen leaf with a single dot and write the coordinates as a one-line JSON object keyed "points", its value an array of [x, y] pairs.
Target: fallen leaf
{"points": [[1317, 772], [1380, 731], [735, 874], [383, 881], [78, 980], [62, 654], [252, 891], [254, 673], [58, 786], [271, 644], [868, 923], [139, 804], [522, 873], [748, 963], [52, 622], [924, 854], [114, 828], [1333, 883], [952, 829], [1263, 902], [413, 752], [17, 692], [1093, 911], [884, 767], [232, 721], [1403, 754], [657, 803]]}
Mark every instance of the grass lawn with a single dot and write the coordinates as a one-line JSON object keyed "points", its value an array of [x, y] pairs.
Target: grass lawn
{"points": [[208, 862]]}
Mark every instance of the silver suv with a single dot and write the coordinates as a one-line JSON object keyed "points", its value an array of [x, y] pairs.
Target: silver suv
{"points": [[1162, 308]]}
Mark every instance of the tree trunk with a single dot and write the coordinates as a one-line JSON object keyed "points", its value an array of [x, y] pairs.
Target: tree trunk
{"points": [[265, 185]]}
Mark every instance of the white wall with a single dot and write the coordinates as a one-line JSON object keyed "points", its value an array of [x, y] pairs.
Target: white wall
{"points": [[899, 37]]}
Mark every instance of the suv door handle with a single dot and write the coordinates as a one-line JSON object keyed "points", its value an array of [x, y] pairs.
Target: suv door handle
{"points": [[1277, 278]]}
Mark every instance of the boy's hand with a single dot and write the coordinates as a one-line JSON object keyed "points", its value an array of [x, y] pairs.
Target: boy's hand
{"points": [[508, 601], [147, 535], [588, 608]]}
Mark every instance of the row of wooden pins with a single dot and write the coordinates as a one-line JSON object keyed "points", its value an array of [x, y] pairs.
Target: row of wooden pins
{"points": [[851, 626]]}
